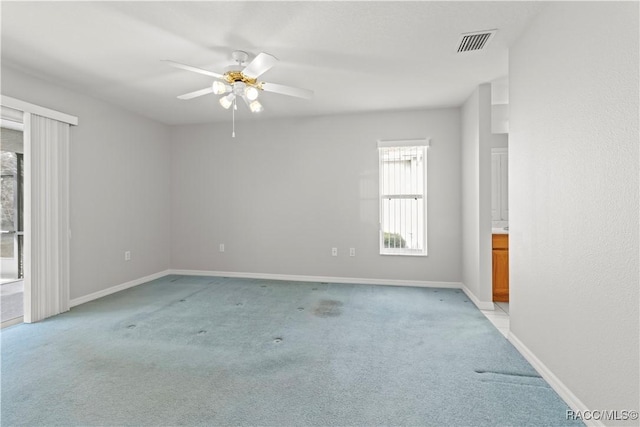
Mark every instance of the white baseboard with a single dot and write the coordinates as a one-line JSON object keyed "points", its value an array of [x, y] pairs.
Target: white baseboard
{"points": [[328, 279], [563, 391], [12, 322], [482, 305], [81, 300], [288, 277]]}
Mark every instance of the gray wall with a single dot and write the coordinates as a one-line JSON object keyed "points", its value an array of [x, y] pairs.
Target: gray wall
{"points": [[283, 192], [476, 194], [500, 140], [573, 175], [119, 186]]}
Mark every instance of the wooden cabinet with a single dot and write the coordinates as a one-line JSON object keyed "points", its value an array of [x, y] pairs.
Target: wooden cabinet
{"points": [[500, 267]]}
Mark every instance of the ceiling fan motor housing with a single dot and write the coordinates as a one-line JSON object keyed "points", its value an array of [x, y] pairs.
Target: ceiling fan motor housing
{"points": [[239, 81]]}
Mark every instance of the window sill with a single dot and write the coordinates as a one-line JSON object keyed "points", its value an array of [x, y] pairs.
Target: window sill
{"points": [[403, 254]]}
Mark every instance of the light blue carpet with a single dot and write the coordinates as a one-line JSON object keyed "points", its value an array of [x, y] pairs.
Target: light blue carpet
{"points": [[213, 351]]}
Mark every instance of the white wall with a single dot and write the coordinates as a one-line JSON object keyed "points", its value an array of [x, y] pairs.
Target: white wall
{"points": [[500, 140], [573, 153], [119, 186], [476, 194], [283, 192]]}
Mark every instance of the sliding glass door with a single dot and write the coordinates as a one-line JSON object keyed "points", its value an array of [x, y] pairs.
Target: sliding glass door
{"points": [[12, 237]]}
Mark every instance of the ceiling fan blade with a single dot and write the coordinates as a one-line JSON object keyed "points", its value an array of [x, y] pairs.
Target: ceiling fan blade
{"points": [[287, 90], [194, 69], [197, 93], [260, 64]]}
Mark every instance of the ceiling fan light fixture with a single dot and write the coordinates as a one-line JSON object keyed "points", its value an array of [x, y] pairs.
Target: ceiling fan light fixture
{"points": [[220, 88], [255, 107], [227, 101], [251, 93]]}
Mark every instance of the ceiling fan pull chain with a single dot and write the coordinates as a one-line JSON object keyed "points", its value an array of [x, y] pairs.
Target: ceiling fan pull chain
{"points": [[233, 119]]}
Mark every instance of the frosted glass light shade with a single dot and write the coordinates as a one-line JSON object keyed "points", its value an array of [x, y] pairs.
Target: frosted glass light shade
{"points": [[219, 88], [255, 107], [251, 93], [227, 101]]}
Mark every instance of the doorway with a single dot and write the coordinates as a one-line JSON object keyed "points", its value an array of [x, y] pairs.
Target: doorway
{"points": [[12, 222]]}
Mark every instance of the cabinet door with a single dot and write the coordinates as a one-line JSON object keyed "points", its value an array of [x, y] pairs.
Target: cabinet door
{"points": [[501, 275]]}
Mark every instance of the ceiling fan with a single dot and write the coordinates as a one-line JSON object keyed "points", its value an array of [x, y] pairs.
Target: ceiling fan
{"points": [[240, 81]]}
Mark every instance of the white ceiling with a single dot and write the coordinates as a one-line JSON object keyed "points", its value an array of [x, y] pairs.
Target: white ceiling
{"points": [[355, 56]]}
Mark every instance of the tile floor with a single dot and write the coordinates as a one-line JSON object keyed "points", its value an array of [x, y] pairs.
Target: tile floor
{"points": [[499, 317], [11, 300]]}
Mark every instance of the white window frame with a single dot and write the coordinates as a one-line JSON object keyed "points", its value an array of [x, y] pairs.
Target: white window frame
{"points": [[422, 145]]}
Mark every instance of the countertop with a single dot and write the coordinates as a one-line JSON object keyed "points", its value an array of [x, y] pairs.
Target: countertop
{"points": [[499, 231]]}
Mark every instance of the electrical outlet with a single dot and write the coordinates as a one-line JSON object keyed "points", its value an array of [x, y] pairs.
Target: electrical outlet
{"points": [[127, 256], [334, 251], [221, 247], [352, 251]]}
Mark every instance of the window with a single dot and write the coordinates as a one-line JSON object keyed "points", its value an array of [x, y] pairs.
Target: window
{"points": [[403, 184]]}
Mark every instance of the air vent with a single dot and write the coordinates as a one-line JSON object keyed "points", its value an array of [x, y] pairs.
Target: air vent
{"points": [[474, 41]]}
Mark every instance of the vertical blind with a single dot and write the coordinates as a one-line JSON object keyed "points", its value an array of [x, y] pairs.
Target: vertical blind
{"points": [[48, 155]]}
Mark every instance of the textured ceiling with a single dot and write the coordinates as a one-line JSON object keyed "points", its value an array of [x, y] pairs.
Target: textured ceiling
{"points": [[355, 56]]}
